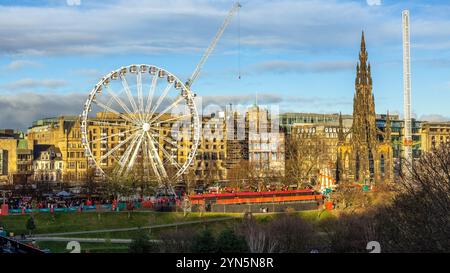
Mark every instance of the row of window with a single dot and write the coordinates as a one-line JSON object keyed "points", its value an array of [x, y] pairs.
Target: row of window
{"points": [[210, 156], [48, 165], [214, 147], [443, 130], [72, 165], [75, 145], [75, 155], [264, 146], [266, 156]]}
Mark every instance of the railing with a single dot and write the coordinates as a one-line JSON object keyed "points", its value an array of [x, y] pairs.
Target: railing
{"points": [[12, 246]]}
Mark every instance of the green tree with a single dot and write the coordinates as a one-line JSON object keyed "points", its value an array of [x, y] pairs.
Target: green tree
{"points": [[204, 242], [228, 241]]}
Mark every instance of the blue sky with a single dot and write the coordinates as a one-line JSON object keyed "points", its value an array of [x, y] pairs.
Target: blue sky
{"points": [[300, 55]]}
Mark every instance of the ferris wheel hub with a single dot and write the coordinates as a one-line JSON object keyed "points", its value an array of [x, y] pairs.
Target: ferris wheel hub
{"points": [[146, 127]]}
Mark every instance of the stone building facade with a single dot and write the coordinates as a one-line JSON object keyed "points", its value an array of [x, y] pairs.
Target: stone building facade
{"points": [[434, 134], [47, 164], [15, 157]]}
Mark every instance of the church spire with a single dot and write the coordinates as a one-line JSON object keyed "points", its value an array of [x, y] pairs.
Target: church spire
{"points": [[388, 130], [363, 56], [341, 136], [363, 42]]}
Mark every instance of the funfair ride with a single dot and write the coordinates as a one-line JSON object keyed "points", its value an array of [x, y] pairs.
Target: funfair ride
{"points": [[142, 120]]}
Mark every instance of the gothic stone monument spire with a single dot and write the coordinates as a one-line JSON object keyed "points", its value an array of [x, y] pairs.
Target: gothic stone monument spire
{"points": [[364, 155], [364, 134]]}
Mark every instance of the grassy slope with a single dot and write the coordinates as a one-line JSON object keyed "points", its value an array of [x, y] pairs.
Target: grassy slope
{"points": [[65, 222]]}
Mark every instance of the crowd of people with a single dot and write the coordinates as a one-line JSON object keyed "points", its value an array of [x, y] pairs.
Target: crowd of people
{"points": [[52, 202]]}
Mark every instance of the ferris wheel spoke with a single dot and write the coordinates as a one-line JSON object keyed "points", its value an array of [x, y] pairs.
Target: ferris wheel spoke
{"points": [[152, 162], [107, 123], [146, 158], [126, 87], [161, 98], [107, 108], [124, 159], [167, 154], [159, 163], [113, 135], [136, 151], [175, 118], [120, 102], [170, 107], [118, 146], [139, 91], [151, 92], [170, 141]]}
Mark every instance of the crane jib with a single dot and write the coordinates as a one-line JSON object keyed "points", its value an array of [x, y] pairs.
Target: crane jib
{"points": [[213, 44]]}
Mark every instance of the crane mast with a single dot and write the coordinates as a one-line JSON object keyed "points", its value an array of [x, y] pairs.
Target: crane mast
{"points": [[213, 44], [407, 87]]}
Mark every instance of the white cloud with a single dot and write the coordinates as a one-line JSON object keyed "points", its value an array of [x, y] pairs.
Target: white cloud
{"points": [[374, 2], [178, 26], [168, 26], [19, 110], [27, 83], [52, 104], [73, 2], [434, 118], [281, 66], [19, 64]]}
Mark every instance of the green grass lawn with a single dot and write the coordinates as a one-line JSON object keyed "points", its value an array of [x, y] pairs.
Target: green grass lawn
{"points": [[314, 216], [67, 222], [154, 233]]}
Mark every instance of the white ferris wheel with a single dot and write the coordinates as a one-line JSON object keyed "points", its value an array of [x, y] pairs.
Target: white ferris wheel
{"points": [[135, 119], [141, 119]]}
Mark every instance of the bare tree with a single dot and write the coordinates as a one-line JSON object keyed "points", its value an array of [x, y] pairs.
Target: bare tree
{"points": [[284, 234], [246, 175], [350, 197], [179, 241], [350, 232], [90, 180], [418, 220], [304, 156], [190, 180], [257, 236]]}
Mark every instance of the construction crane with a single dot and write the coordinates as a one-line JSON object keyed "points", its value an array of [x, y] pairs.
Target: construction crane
{"points": [[213, 44]]}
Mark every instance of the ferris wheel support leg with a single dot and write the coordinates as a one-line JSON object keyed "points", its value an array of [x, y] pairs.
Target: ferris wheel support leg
{"points": [[123, 161], [135, 153], [159, 163]]}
